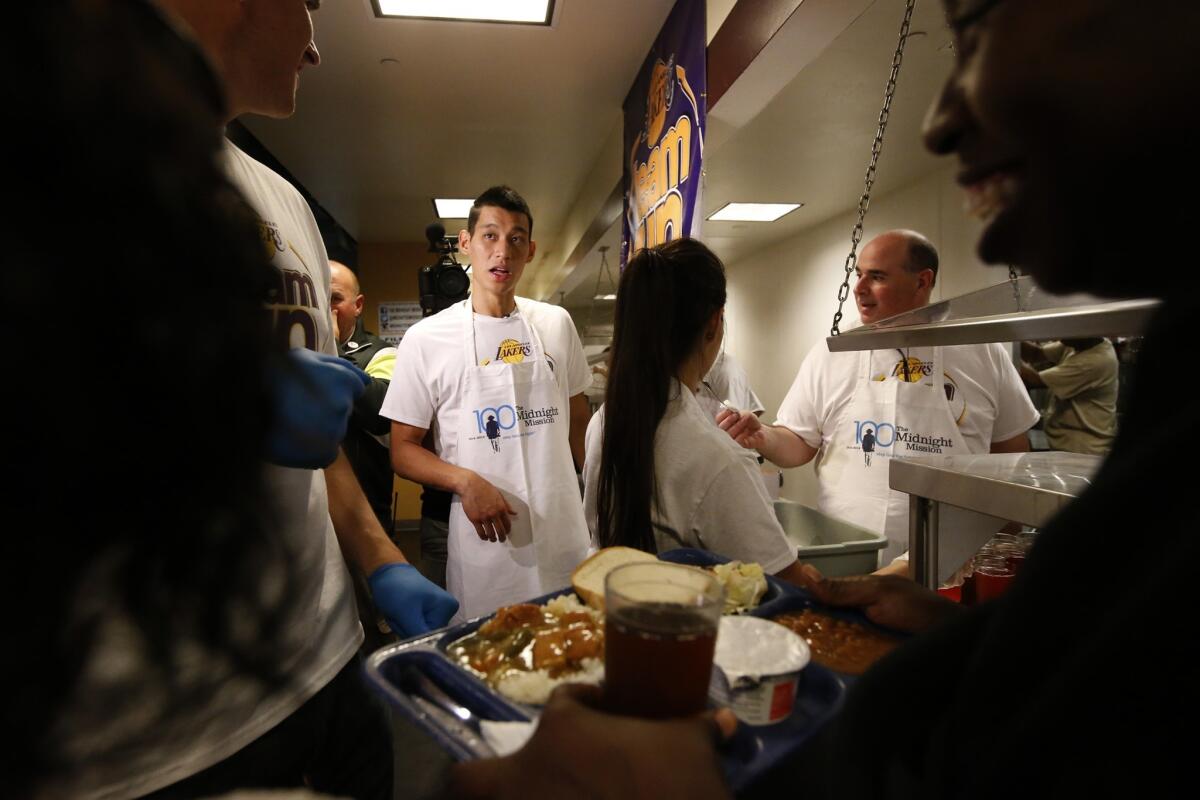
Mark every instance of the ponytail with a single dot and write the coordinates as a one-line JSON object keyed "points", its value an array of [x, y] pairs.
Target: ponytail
{"points": [[665, 297]]}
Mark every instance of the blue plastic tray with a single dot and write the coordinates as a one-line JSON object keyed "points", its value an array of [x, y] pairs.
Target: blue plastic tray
{"points": [[753, 751]]}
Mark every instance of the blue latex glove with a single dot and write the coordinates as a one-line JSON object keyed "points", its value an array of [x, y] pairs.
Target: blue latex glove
{"points": [[314, 394], [409, 602]]}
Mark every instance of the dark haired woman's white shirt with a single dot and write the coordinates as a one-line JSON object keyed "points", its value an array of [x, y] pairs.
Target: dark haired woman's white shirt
{"points": [[710, 494]]}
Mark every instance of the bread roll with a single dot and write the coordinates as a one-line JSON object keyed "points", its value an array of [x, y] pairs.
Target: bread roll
{"points": [[588, 577]]}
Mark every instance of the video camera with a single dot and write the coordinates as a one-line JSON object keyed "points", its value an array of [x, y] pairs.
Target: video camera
{"points": [[444, 283]]}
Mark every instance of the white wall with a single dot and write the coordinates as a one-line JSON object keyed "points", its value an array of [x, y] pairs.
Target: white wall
{"points": [[781, 300]]}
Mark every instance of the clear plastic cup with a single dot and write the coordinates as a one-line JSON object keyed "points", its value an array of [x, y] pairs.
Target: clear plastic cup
{"points": [[660, 631]]}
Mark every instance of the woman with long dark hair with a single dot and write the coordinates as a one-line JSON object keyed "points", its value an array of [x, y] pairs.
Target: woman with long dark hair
{"points": [[658, 473]]}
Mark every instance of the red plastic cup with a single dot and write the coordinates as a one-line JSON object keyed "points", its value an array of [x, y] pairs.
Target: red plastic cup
{"points": [[991, 581]]}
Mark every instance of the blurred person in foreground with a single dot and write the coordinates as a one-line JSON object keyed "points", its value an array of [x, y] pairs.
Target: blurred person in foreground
{"points": [[159, 599], [335, 736], [185, 635], [1080, 680]]}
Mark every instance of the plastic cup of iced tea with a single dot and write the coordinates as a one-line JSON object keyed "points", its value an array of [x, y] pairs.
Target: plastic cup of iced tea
{"points": [[992, 580], [659, 635]]}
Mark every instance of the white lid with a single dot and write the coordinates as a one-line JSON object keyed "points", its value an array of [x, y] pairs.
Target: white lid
{"points": [[753, 648]]}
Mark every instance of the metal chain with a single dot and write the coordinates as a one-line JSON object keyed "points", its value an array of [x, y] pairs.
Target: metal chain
{"points": [[1016, 287], [864, 201]]}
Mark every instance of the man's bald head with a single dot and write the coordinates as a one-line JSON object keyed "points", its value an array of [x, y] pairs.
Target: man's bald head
{"points": [[911, 249], [345, 299], [896, 273]]}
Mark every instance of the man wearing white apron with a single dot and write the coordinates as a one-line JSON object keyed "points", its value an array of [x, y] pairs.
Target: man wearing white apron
{"points": [[856, 411], [500, 380]]}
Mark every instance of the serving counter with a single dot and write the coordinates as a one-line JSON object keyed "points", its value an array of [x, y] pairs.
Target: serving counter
{"points": [[1029, 488]]}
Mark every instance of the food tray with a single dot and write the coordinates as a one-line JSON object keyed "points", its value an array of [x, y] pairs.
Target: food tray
{"points": [[753, 751]]}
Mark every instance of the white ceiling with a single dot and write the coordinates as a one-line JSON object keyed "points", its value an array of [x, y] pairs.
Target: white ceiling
{"points": [[463, 106]]}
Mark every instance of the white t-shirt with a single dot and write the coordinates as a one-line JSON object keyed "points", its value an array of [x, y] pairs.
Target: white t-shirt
{"points": [[985, 393], [426, 387], [986, 396], [323, 626], [710, 492]]}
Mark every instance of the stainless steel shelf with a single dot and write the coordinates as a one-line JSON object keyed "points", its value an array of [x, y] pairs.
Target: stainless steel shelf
{"points": [[1029, 488], [1001, 313]]}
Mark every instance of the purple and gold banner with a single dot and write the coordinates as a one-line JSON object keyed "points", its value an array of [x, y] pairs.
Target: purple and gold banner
{"points": [[664, 134]]}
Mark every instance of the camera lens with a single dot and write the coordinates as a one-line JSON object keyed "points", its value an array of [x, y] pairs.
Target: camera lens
{"points": [[453, 283]]}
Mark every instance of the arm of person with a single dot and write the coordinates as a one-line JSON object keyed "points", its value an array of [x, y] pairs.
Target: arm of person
{"points": [[482, 502], [1017, 444], [899, 566], [581, 414], [578, 750], [779, 445], [887, 600], [792, 573], [1030, 376], [1033, 353], [366, 408], [410, 603]]}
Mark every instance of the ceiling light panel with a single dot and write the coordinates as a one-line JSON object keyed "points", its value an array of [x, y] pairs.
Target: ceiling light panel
{"points": [[753, 212], [528, 12], [452, 208]]}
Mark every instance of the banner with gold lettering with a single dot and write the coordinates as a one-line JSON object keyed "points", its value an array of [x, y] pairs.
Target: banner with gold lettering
{"points": [[664, 134]]}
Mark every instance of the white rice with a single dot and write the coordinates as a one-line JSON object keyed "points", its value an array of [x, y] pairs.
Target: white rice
{"points": [[534, 687]]}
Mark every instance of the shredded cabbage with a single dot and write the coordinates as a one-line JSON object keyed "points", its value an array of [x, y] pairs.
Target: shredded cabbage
{"points": [[745, 584]]}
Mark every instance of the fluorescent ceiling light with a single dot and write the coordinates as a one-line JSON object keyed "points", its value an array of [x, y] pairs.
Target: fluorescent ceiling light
{"points": [[453, 208], [753, 212], [605, 297], [530, 12]]}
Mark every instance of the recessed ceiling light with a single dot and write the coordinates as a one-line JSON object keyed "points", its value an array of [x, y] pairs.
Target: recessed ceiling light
{"points": [[453, 208], [753, 212], [528, 12], [605, 297]]}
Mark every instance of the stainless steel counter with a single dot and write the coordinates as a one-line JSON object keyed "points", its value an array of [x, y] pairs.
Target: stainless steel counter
{"points": [[1029, 488]]}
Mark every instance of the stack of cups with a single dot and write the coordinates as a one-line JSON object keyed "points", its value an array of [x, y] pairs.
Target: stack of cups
{"points": [[994, 567]]}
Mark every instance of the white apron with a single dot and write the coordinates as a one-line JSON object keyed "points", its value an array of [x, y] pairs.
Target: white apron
{"points": [[885, 420], [523, 450]]}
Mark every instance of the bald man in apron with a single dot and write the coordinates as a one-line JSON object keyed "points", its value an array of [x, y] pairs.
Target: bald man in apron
{"points": [[844, 407]]}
